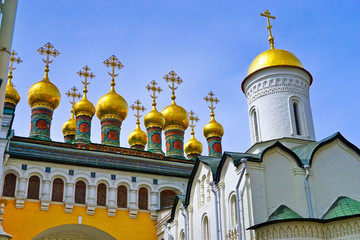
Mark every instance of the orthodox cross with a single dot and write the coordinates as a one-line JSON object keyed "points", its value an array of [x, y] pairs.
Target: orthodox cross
{"points": [[268, 16], [192, 118], [113, 62], [154, 89], [173, 78], [73, 94], [86, 74], [13, 60], [137, 108], [48, 50], [212, 100]]}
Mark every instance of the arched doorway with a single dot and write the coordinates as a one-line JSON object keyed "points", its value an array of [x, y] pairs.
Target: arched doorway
{"points": [[74, 231]]}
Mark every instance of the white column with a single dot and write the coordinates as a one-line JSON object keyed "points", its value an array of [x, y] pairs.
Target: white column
{"points": [[45, 195], [112, 205], [21, 190], [69, 197], [91, 202], [153, 205], [133, 203], [6, 37]]}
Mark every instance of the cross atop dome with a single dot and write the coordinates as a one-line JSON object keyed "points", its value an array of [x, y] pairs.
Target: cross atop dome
{"points": [[154, 89], [268, 16], [48, 50], [212, 100], [137, 108], [73, 94], [113, 62], [13, 59], [192, 118], [86, 74], [173, 78]]}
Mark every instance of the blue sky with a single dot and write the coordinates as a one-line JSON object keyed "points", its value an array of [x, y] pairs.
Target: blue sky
{"points": [[210, 44]]}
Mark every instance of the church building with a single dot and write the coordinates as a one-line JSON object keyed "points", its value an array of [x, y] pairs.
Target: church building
{"points": [[287, 185]]}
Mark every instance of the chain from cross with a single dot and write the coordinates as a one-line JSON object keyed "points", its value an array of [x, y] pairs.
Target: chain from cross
{"points": [[268, 16], [13, 59], [48, 50], [173, 78], [137, 108], [154, 89], [192, 118], [212, 100], [86, 74], [73, 94], [113, 62]]}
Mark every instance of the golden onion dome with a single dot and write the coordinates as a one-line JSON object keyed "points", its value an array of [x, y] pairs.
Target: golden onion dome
{"points": [[193, 146], [175, 115], [112, 105], [274, 57], [84, 107], [44, 94], [154, 119], [213, 129], [138, 137], [11, 95], [69, 127]]}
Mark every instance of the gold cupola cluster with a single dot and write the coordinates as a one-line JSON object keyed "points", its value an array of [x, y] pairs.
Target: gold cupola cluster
{"points": [[138, 138], [193, 147], [12, 96]]}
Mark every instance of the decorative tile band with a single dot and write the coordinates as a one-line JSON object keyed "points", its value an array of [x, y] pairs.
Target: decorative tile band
{"points": [[215, 148], [174, 143], [110, 132], [155, 142], [83, 129], [40, 123], [69, 138]]}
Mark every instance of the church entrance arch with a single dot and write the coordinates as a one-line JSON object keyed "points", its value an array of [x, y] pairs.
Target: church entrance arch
{"points": [[74, 231]]}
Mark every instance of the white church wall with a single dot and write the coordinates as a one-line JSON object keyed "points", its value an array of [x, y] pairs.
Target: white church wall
{"points": [[335, 170]]}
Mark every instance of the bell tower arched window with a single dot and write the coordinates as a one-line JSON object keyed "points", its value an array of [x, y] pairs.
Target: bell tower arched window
{"points": [[255, 125], [297, 118]]}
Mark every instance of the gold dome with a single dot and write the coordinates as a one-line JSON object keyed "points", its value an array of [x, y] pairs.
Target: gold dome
{"points": [[154, 119], [112, 105], [213, 129], [11, 96], [175, 115], [193, 146], [84, 107], [44, 94], [138, 137], [69, 127], [274, 57]]}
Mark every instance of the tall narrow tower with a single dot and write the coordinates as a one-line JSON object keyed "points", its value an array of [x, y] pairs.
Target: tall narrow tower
{"points": [[277, 92]]}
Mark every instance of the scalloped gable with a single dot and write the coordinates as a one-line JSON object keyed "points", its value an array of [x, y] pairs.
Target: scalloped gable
{"points": [[284, 148], [307, 151], [282, 213]]}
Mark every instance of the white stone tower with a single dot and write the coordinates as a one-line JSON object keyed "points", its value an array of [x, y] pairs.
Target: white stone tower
{"points": [[277, 92]]}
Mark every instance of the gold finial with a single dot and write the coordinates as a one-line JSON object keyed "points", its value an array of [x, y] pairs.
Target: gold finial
{"points": [[138, 108], [212, 100], [13, 59], [113, 62], [193, 118], [86, 74], [268, 16], [154, 89], [49, 50], [173, 78], [74, 95]]}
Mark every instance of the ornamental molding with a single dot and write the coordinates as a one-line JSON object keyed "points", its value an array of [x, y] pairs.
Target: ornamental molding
{"points": [[274, 85]]}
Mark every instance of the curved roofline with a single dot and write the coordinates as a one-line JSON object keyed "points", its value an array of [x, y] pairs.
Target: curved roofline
{"points": [[285, 149], [172, 215], [330, 140], [251, 74]]}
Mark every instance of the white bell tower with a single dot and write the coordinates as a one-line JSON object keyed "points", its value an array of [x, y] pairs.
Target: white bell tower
{"points": [[277, 92]]}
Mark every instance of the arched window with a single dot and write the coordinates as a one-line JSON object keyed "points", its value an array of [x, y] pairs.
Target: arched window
{"points": [[57, 190], [254, 121], [143, 198], [34, 187], [122, 196], [167, 198], [80, 192], [101, 194], [233, 209], [297, 119], [205, 229], [9, 185]]}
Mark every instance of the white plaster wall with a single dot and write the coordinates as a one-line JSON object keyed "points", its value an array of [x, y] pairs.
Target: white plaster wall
{"points": [[268, 91], [335, 170]]}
